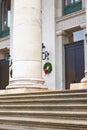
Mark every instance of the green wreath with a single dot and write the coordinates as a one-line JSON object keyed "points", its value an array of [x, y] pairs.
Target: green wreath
{"points": [[47, 68], [11, 73]]}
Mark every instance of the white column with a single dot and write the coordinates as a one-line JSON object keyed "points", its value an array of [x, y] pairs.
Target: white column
{"points": [[26, 48]]}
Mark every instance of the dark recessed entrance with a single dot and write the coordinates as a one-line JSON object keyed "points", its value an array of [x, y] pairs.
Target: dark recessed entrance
{"points": [[74, 62], [4, 74]]}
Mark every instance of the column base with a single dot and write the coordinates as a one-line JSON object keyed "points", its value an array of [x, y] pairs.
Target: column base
{"points": [[22, 90], [84, 80], [25, 85], [77, 86]]}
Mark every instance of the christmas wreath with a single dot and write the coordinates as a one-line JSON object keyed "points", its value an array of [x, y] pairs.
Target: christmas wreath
{"points": [[11, 73], [47, 68]]}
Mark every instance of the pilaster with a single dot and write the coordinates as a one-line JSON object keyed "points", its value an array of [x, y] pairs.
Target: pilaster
{"points": [[60, 41]]}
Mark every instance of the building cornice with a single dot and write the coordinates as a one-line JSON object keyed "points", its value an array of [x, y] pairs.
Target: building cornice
{"points": [[77, 13]]}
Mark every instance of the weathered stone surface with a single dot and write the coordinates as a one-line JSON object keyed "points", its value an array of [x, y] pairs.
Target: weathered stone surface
{"points": [[45, 110]]}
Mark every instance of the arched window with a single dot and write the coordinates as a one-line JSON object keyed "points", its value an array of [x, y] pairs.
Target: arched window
{"points": [[4, 8], [70, 6]]}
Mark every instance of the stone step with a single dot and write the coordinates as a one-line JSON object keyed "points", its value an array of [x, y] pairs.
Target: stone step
{"points": [[45, 123], [43, 96], [75, 115], [45, 101], [60, 107], [61, 110], [46, 92], [10, 126]]}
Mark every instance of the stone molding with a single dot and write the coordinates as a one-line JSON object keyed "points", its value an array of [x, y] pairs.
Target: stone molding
{"points": [[61, 33], [83, 26], [69, 16], [71, 20]]}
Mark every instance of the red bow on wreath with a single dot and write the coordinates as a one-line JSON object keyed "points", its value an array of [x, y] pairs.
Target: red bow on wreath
{"points": [[46, 71]]}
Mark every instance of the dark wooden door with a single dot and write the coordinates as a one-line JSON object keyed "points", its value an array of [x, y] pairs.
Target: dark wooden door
{"points": [[74, 62], [4, 74]]}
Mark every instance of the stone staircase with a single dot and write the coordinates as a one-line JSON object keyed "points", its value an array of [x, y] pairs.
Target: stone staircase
{"points": [[47, 110]]}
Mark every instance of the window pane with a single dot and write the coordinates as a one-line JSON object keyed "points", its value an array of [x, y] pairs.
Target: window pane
{"points": [[72, 1], [71, 6], [4, 14], [77, 0], [79, 35], [4, 9], [67, 2]]}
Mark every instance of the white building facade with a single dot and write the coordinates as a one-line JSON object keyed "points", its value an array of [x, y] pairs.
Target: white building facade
{"points": [[60, 29]]}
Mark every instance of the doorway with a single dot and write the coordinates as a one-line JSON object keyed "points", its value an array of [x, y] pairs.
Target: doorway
{"points": [[74, 63], [4, 73]]}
